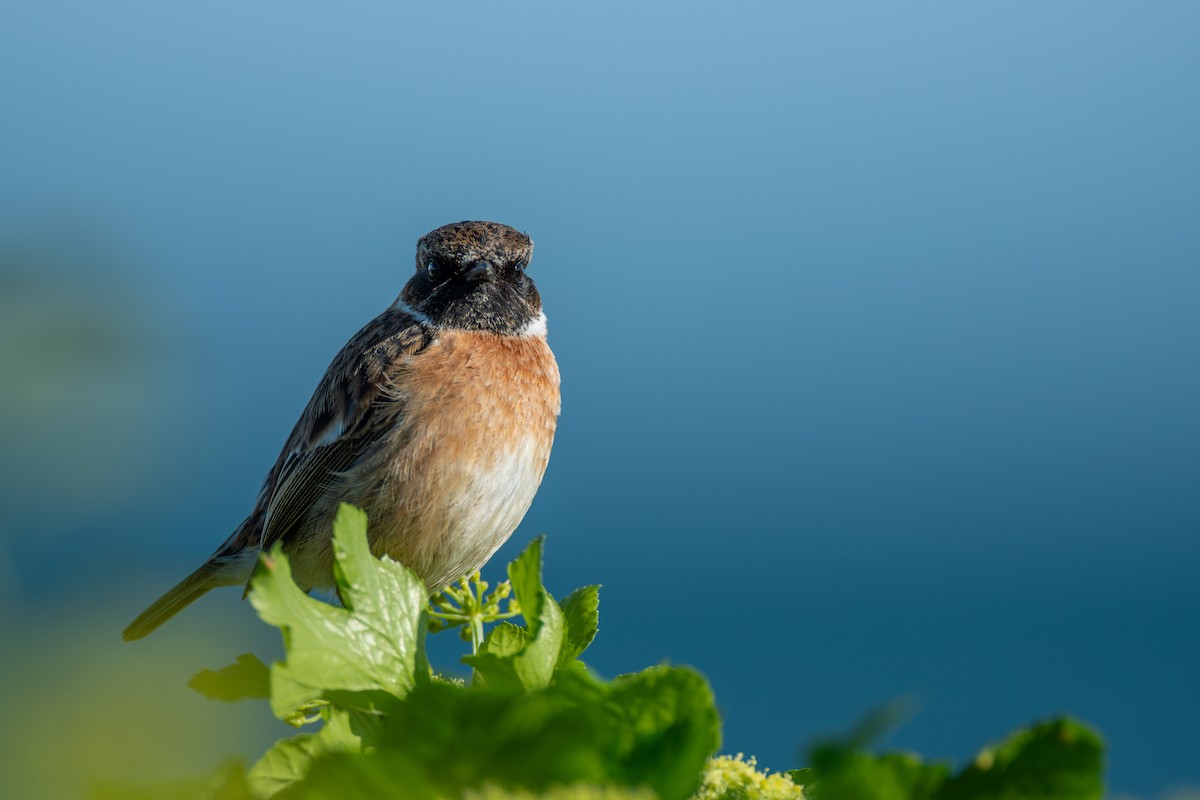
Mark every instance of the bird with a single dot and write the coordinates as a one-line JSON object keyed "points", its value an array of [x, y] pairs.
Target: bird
{"points": [[437, 419]]}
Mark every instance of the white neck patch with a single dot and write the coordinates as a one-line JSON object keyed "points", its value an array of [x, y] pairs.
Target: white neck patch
{"points": [[400, 305], [535, 326]]}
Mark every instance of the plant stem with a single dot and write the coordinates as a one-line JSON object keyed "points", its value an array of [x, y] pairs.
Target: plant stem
{"points": [[476, 634]]}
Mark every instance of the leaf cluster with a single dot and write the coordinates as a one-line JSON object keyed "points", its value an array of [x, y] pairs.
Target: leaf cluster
{"points": [[532, 719], [1058, 759]]}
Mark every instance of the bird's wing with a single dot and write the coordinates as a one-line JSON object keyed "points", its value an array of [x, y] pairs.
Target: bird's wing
{"points": [[348, 413]]}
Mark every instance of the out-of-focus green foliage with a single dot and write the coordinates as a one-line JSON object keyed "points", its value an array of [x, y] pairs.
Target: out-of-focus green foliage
{"points": [[80, 360], [534, 722], [81, 709], [247, 677], [1059, 759]]}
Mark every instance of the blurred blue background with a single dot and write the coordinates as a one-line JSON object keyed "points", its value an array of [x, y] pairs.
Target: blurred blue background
{"points": [[877, 324]]}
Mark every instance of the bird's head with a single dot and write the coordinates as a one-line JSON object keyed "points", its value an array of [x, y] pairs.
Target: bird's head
{"points": [[471, 275]]}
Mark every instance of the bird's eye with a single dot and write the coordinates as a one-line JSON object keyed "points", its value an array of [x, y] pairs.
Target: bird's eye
{"points": [[432, 270], [520, 265]]}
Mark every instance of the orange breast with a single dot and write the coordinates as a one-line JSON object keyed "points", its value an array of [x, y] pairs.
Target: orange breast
{"points": [[463, 466]]}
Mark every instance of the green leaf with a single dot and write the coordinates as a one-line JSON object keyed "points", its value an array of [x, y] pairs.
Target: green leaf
{"points": [[581, 611], [1060, 759], [652, 730], [853, 775], [531, 666], [576, 792], [290, 760], [247, 677], [543, 618], [450, 739], [669, 726], [370, 651], [356, 776], [841, 770], [803, 777], [505, 640], [1057, 760]]}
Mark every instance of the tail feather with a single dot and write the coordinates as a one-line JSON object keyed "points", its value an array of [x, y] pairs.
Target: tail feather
{"points": [[232, 564], [185, 592]]}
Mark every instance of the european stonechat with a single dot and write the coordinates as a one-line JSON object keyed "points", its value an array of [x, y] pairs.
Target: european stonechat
{"points": [[436, 418]]}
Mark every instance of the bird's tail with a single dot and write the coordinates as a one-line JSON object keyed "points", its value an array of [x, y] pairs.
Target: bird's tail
{"points": [[225, 568], [233, 563], [174, 601]]}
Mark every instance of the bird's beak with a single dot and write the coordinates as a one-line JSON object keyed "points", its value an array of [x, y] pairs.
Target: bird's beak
{"points": [[481, 271]]}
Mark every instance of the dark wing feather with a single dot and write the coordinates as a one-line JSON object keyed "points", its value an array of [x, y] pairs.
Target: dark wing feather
{"points": [[342, 421]]}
